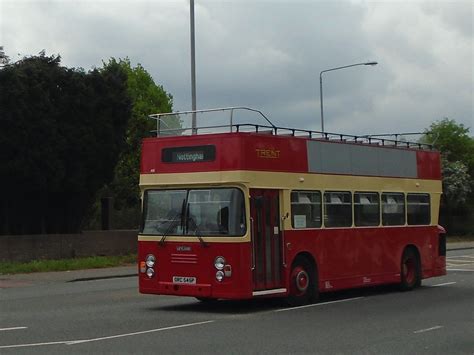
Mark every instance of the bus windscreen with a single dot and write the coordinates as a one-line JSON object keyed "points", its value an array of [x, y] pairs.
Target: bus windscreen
{"points": [[207, 212]]}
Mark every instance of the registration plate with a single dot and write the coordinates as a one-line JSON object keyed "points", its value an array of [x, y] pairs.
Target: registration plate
{"points": [[184, 280]]}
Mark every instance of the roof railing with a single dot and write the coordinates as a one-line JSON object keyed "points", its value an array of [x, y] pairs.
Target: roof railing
{"points": [[270, 128]]}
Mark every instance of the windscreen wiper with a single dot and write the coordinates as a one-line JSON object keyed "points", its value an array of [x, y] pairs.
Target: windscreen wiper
{"points": [[197, 233], [173, 223]]}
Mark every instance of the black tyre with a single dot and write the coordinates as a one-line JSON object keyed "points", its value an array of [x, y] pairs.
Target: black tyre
{"points": [[410, 272], [303, 283]]}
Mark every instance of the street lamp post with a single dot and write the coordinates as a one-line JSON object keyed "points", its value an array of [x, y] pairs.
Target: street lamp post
{"points": [[321, 85], [193, 68]]}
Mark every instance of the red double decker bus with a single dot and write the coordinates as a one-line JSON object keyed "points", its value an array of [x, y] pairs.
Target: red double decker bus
{"points": [[258, 211]]}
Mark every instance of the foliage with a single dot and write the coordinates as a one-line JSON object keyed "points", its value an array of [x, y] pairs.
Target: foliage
{"points": [[453, 141], [457, 152], [62, 133], [456, 182], [147, 98], [4, 59]]}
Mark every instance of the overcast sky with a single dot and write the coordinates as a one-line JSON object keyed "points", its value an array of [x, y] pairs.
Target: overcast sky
{"points": [[268, 55]]}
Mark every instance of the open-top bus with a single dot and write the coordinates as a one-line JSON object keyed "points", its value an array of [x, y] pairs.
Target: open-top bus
{"points": [[244, 210]]}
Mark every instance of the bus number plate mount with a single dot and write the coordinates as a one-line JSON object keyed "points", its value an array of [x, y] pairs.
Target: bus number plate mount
{"points": [[184, 280]]}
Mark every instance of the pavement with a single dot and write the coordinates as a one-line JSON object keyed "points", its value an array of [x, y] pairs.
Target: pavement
{"points": [[460, 245], [18, 280]]}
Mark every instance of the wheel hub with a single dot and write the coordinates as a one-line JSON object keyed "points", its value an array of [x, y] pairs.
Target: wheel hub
{"points": [[302, 280]]}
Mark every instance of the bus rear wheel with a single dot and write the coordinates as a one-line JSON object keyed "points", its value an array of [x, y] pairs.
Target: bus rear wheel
{"points": [[303, 283], [410, 270]]}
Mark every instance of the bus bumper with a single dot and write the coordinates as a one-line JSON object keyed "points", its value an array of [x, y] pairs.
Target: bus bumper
{"points": [[168, 288]]}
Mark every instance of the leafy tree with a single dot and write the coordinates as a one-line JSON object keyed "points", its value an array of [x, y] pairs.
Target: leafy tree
{"points": [[456, 182], [4, 59], [62, 132], [147, 98], [453, 141], [457, 151]]}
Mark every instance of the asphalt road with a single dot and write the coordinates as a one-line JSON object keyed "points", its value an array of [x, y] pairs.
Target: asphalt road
{"points": [[110, 316]]}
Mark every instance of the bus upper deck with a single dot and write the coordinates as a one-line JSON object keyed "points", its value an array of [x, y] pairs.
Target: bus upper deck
{"points": [[270, 148]]}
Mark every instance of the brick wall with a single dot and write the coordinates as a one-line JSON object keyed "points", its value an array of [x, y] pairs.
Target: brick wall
{"points": [[60, 246]]}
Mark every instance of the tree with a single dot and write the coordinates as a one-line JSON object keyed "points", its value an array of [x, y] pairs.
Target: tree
{"points": [[457, 152], [147, 98], [456, 183], [453, 141], [62, 132], [4, 59]]}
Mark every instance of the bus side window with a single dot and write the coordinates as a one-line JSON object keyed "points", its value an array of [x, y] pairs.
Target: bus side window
{"points": [[393, 209], [418, 209], [306, 209], [337, 209], [366, 209]]}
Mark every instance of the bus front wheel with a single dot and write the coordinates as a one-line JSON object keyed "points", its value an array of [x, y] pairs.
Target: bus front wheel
{"points": [[303, 283], [410, 270]]}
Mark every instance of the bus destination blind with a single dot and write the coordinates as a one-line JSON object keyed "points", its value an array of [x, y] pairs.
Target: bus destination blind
{"points": [[194, 154]]}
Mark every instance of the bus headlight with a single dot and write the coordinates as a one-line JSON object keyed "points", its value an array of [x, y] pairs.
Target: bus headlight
{"points": [[150, 272], [219, 262], [220, 276], [150, 260]]}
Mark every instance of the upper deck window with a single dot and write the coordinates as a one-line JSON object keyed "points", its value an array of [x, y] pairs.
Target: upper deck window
{"points": [[206, 212], [192, 154]]}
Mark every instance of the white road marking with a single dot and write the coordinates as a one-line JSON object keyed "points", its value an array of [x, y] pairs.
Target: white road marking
{"points": [[138, 333], [443, 284], [12, 328], [465, 259], [469, 270], [460, 264], [30, 345], [73, 342], [428, 329], [317, 304]]}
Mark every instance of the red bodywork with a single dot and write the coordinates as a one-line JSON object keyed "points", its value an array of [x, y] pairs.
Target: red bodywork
{"points": [[199, 263], [344, 257], [240, 151], [234, 151]]}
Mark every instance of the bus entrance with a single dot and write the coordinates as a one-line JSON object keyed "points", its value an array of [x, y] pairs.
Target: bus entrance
{"points": [[266, 239]]}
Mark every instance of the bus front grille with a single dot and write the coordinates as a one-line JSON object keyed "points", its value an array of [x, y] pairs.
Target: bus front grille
{"points": [[184, 258]]}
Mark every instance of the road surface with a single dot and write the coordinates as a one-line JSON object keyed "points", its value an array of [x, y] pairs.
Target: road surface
{"points": [[110, 316]]}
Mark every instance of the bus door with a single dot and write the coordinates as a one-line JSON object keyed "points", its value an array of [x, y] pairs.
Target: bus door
{"points": [[266, 239]]}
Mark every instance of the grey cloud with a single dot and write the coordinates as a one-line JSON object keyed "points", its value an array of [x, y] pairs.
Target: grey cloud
{"points": [[269, 55]]}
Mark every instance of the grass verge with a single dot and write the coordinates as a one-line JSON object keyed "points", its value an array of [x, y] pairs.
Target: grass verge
{"points": [[93, 262]]}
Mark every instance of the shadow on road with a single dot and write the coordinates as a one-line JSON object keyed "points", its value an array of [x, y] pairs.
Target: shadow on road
{"points": [[267, 304]]}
